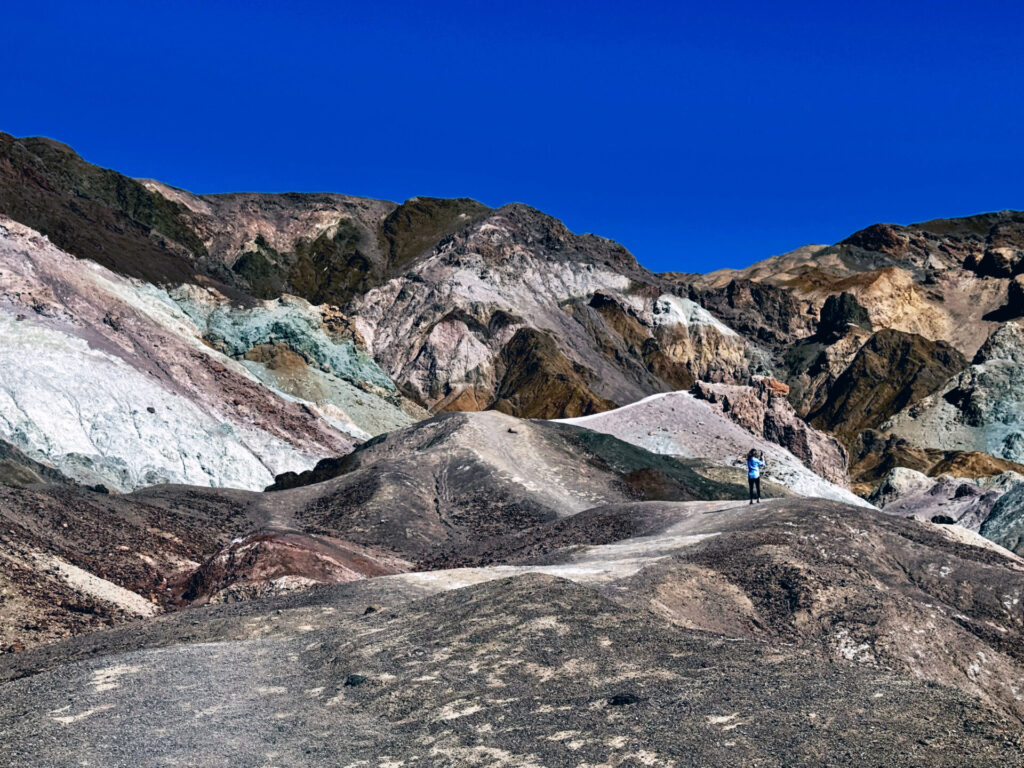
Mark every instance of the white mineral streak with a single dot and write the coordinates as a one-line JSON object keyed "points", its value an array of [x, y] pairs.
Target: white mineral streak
{"points": [[85, 412], [110, 380]]}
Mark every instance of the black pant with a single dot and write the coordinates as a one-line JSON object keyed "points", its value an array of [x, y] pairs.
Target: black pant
{"points": [[754, 482]]}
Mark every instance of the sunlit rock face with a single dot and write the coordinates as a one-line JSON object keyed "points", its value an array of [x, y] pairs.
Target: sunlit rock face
{"points": [[946, 279], [463, 306], [280, 329], [119, 382], [902, 341], [304, 351], [980, 409], [764, 409], [600, 329], [946, 499], [246, 339]]}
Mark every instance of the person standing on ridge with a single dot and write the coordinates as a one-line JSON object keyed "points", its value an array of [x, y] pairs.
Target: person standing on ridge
{"points": [[755, 463]]}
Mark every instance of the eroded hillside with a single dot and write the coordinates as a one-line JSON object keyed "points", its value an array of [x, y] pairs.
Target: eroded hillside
{"points": [[313, 479]]}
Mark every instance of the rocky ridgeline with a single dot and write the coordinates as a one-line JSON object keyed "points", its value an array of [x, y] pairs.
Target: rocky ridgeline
{"points": [[463, 307], [354, 316], [519, 314]]}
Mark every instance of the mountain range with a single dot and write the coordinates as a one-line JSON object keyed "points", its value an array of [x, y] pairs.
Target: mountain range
{"points": [[434, 483]]}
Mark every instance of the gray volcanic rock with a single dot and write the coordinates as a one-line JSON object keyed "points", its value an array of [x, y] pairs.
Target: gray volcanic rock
{"points": [[969, 503], [981, 408], [919, 279], [439, 690], [490, 672], [852, 583], [1005, 523], [838, 312], [446, 482], [767, 315], [900, 483], [803, 576], [461, 477], [73, 559], [1004, 250]]}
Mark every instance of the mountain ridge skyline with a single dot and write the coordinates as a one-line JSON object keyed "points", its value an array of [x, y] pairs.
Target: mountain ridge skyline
{"points": [[755, 257]]}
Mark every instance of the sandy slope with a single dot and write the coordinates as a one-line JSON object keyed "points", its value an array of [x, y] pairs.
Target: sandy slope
{"points": [[678, 424]]}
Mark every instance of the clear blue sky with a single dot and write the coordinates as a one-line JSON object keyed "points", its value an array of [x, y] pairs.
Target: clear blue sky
{"points": [[700, 135]]}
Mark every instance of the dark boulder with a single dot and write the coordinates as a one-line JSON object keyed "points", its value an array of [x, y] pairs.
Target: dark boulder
{"points": [[840, 311]]}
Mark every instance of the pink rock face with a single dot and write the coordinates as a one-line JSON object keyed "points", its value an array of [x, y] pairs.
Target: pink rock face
{"points": [[774, 386], [113, 384], [272, 561], [764, 410]]}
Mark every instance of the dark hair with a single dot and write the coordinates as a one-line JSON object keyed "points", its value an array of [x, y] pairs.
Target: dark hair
{"points": [[752, 454]]}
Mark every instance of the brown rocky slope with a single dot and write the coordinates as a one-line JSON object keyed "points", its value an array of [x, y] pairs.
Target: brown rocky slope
{"points": [[948, 288], [76, 558]]}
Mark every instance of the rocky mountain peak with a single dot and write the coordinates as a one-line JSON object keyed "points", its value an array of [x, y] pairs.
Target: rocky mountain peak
{"points": [[882, 238]]}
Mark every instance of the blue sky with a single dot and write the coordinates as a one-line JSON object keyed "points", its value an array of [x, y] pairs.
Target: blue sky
{"points": [[700, 135]]}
